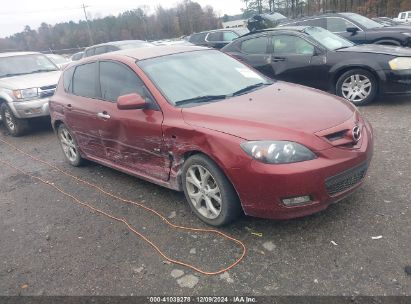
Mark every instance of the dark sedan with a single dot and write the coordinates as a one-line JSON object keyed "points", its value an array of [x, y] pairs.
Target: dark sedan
{"points": [[317, 58], [217, 38], [358, 29]]}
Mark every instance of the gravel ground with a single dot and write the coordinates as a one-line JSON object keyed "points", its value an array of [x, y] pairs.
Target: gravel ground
{"points": [[51, 246]]}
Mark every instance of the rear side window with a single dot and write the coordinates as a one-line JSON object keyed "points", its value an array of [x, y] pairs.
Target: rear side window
{"points": [[215, 36], [100, 50], [67, 77], [84, 80], [229, 36], [90, 52], [197, 38], [320, 22], [116, 80], [254, 46], [403, 15]]}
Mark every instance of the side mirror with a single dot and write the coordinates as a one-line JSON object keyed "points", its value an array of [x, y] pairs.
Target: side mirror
{"points": [[352, 30], [131, 102]]}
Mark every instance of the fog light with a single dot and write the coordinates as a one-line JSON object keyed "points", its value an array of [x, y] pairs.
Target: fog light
{"points": [[295, 201]]}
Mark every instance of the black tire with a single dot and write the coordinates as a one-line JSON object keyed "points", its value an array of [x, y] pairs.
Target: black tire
{"points": [[77, 160], [15, 126], [230, 207], [361, 73]]}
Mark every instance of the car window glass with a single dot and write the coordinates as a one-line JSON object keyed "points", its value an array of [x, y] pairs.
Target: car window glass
{"points": [[338, 25], [254, 46], [214, 36], [90, 52], [197, 38], [111, 48], [291, 45], [67, 77], [100, 50], [409, 15], [229, 36], [117, 80], [84, 83], [403, 16], [315, 22]]}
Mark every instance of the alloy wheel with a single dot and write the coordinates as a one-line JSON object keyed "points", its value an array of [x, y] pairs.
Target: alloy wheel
{"points": [[356, 87], [68, 144], [203, 191]]}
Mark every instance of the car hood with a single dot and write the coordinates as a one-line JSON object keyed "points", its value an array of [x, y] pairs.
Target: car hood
{"points": [[36, 80], [378, 49], [282, 111]]}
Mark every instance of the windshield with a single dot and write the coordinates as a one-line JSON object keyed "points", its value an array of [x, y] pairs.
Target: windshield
{"points": [[26, 64], [328, 39], [57, 59], [364, 21], [201, 76]]}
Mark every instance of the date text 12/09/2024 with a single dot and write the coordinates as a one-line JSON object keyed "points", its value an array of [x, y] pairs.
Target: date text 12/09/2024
{"points": [[203, 299]]}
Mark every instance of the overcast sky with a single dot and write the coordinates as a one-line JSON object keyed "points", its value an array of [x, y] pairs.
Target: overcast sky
{"points": [[15, 14]]}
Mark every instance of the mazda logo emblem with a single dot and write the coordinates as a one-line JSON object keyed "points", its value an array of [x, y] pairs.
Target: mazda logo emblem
{"points": [[356, 133]]}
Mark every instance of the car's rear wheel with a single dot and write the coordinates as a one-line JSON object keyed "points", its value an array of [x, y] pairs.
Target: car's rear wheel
{"points": [[14, 125], [69, 146], [358, 86], [209, 193]]}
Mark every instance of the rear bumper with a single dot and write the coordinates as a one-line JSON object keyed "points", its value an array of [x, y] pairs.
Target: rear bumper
{"points": [[31, 108], [331, 177], [397, 82]]}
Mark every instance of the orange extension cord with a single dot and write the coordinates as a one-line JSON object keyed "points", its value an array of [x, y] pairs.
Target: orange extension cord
{"points": [[122, 220]]}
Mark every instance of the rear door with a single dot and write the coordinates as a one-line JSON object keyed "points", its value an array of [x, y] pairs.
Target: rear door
{"points": [[132, 139], [255, 52], [296, 60], [80, 109]]}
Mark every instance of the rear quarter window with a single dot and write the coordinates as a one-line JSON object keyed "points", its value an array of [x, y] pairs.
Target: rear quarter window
{"points": [[67, 78], [90, 52]]}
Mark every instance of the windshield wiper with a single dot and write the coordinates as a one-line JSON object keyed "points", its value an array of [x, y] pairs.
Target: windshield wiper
{"points": [[11, 75], [343, 47], [41, 71], [250, 88], [199, 99]]}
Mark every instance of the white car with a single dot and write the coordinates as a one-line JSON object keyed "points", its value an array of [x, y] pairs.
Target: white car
{"points": [[404, 17], [27, 80]]}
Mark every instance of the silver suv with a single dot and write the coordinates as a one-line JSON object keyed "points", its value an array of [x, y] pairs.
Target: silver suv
{"points": [[27, 80]]}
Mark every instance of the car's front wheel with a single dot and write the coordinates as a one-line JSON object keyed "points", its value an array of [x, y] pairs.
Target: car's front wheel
{"points": [[208, 191], [14, 125], [69, 146], [358, 86]]}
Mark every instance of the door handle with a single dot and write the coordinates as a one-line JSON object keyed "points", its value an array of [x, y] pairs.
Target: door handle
{"points": [[277, 59], [103, 115]]}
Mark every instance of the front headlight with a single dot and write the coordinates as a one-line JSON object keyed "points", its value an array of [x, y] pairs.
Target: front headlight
{"points": [[400, 63], [277, 152], [26, 93]]}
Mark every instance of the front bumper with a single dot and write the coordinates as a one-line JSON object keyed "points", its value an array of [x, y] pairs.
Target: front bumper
{"points": [[265, 186], [397, 82], [30, 108]]}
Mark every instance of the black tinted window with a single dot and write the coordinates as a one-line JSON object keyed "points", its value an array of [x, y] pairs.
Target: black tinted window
{"points": [[215, 36], [255, 46], [315, 22], [100, 50], [84, 80], [117, 80], [67, 76], [90, 52]]}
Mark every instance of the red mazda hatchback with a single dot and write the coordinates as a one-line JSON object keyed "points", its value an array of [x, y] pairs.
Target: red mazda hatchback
{"points": [[196, 120]]}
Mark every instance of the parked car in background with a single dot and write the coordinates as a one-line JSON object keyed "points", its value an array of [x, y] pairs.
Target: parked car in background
{"points": [[358, 29], [217, 38], [27, 80], [263, 21], [59, 60], [77, 56], [404, 17], [315, 57], [197, 120], [386, 21], [115, 46]]}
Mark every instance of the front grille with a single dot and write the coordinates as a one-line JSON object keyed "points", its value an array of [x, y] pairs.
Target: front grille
{"points": [[346, 179]]}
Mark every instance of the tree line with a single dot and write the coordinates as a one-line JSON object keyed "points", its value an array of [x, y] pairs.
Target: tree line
{"points": [[183, 19], [297, 8]]}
